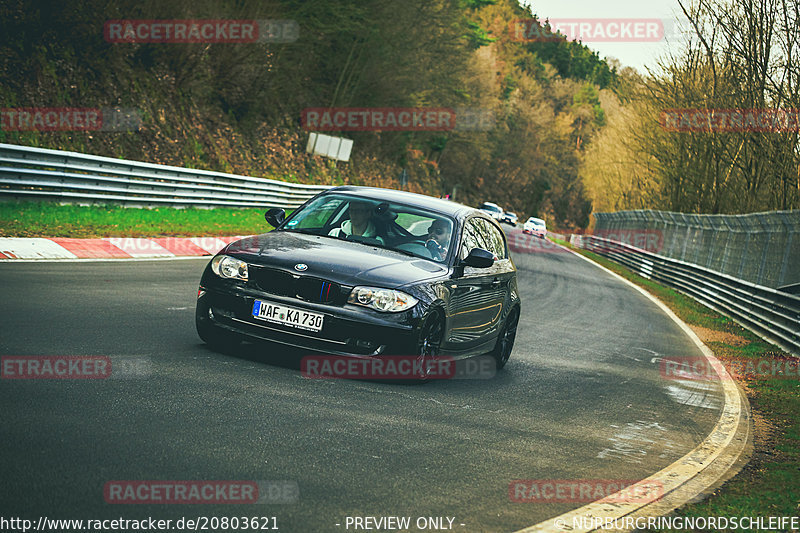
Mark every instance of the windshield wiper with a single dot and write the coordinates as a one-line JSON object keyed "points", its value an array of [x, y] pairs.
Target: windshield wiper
{"points": [[401, 251], [371, 242], [305, 231], [404, 252]]}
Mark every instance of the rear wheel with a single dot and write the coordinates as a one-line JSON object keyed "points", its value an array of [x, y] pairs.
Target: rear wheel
{"points": [[505, 342]]}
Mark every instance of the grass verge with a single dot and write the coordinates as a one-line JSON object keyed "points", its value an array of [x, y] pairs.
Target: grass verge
{"points": [[49, 219], [770, 483]]}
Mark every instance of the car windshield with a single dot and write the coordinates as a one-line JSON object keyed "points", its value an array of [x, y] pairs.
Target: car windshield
{"points": [[403, 228]]}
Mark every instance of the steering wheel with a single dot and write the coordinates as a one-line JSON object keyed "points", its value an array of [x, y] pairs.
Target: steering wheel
{"points": [[416, 246]]}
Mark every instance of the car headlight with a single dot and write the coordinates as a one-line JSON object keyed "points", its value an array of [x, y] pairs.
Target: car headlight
{"points": [[385, 300], [225, 266]]}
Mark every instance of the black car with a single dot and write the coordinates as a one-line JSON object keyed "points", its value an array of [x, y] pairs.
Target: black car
{"points": [[367, 272]]}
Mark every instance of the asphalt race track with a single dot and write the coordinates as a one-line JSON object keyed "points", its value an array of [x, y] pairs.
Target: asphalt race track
{"points": [[582, 398]]}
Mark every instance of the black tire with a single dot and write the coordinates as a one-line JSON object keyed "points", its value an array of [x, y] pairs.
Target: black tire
{"points": [[429, 342], [505, 341], [217, 339]]}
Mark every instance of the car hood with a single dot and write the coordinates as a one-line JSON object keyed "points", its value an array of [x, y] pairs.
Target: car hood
{"points": [[344, 262]]}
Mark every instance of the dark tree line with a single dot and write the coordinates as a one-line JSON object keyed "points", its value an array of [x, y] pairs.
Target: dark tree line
{"points": [[236, 107]]}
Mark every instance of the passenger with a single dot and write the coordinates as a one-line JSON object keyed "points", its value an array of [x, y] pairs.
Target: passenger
{"points": [[360, 222], [438, 238]]}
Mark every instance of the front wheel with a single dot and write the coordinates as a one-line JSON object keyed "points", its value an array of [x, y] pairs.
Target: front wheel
{"points": [[217, 339], [429, 344], [505, 341]]}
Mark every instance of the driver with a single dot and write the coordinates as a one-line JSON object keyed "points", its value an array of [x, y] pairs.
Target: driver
{"points": [[360, 222], [438, 238]]}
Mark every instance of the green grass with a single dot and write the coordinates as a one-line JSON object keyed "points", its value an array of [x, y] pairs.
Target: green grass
{"points": [[770, 484], [47, 219]]}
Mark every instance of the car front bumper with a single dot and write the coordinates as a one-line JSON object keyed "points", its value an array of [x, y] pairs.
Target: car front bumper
{"points": [[347, 330], [531, 231]]}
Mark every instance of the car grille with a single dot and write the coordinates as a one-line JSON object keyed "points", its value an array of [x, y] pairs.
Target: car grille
{"points": [[307, 288]]}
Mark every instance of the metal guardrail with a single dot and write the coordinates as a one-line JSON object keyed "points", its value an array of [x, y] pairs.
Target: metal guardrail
{"points": [[27, 172], [763, 248], [773, 314]]}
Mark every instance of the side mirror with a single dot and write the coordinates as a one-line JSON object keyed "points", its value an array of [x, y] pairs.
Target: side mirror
{"points": [[479, 258], [275, 216]]}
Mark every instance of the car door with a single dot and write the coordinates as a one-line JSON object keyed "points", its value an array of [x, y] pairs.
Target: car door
{"points": [[477, 296], [502, 274]]}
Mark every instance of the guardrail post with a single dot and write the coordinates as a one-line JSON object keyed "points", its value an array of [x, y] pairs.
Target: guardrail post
{"points": [[744, 254], [699, 223], [686, 239], [714, 240], [726, 250], [673, 234], [765, 230], [785, 262]]}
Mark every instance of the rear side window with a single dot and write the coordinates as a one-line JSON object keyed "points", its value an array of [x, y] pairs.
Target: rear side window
{"points": [[495, 241], [480, 233], [471, 239]]}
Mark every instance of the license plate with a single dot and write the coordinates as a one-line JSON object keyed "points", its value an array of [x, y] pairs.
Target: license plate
{"points": [[288, 316]]}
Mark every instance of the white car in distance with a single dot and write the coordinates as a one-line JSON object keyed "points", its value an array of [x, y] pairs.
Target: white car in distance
{"points": [[535, 226], [493, 210]]}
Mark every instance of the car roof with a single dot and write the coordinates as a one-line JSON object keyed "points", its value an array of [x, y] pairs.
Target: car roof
{"points": [[534, 219], [445, 207]]}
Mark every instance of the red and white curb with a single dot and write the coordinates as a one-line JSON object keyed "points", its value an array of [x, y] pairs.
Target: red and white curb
{"points": [[110, 248]]}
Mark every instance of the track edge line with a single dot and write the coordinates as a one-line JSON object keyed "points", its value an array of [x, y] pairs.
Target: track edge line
{"points": [[730, 434]]}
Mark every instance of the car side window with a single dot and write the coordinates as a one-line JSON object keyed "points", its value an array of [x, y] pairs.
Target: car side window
{"points": [[471, 238], [480, 233], [494, 240]]}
